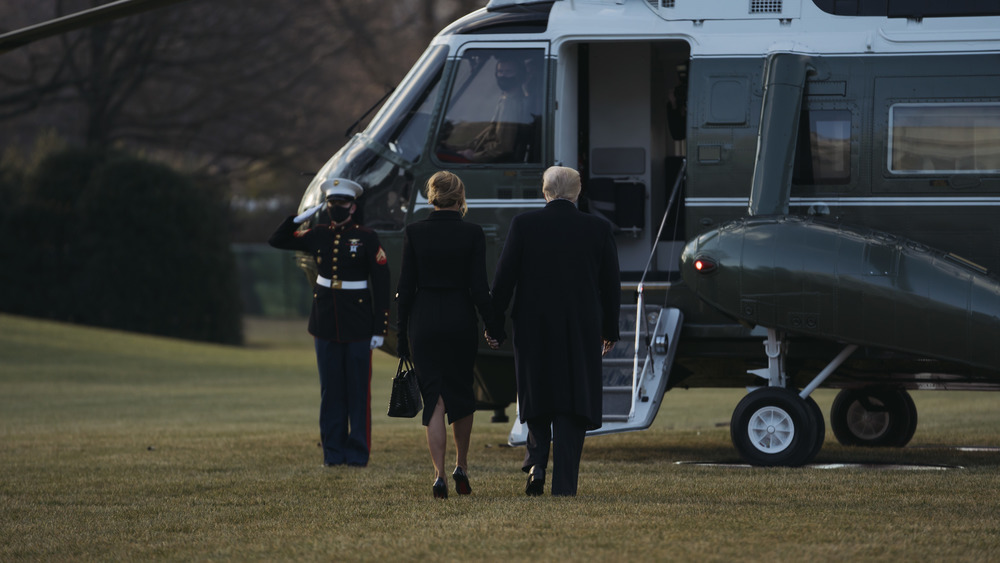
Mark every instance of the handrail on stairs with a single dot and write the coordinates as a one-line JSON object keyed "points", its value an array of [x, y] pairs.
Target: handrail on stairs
{"points": [[640, 314]]}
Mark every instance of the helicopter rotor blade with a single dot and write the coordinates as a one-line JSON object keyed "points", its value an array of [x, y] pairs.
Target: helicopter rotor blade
{"points": [[114, 10]]}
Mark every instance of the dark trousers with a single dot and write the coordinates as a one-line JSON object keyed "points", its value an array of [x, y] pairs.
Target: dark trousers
{"points": [[345, 413], [566, 432]]}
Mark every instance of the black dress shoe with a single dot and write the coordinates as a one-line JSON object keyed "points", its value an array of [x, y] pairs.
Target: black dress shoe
{"points": [[440, 488], [462, 485], [536, 481]]}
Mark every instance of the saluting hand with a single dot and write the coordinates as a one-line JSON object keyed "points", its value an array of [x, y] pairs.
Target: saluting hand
{"points": [[301, 218]]}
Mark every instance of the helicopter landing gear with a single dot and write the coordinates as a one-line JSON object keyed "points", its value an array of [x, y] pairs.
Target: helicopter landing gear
{"points": [[873, 417], [774, 425]]}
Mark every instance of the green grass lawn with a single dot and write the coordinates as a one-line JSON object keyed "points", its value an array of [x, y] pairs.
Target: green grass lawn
{"points": [[116, 446]]}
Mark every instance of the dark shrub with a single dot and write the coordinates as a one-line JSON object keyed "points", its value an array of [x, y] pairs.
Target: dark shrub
{"points": [[114, 241]]}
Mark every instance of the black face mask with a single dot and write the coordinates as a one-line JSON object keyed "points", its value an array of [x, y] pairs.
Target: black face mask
{"points": [[508, 83], [337, 213]]}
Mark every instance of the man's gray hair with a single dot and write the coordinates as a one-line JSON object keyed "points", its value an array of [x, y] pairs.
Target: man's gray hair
{"points": [[561, 182]]}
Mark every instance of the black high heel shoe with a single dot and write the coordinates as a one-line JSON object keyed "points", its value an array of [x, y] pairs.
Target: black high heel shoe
{"points": [[462, 485], [440, 488]]}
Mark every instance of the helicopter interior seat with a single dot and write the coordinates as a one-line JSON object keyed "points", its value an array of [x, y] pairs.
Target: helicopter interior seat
{"points": [[623, 204], [611, 194]]}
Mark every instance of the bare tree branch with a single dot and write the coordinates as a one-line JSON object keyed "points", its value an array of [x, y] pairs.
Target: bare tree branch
{"points": [[221, 83]]}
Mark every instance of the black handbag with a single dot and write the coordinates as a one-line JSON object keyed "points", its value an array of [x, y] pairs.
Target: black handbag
{"points": [[405, 402]]}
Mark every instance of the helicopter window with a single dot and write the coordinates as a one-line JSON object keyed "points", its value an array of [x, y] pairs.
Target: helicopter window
{"points": [[411, 137], [495, 108], [823, 154], [387, 191], [944, 138], [404, 119], [400, 127]]}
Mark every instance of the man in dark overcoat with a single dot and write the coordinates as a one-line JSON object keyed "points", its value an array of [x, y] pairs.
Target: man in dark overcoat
{"points": [[563, 265], [349, 318]]}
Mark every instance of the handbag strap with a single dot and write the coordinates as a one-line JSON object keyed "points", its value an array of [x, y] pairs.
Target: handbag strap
{"points": [[404, 365]]}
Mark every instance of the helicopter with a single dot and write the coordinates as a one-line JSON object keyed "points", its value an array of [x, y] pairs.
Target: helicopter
{"points": [[803, 194]]}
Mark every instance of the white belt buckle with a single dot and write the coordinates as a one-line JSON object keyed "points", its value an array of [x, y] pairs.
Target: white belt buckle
{"points": [[341, 284]]}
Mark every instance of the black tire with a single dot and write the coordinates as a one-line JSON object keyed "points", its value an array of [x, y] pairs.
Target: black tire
{"points": [[820, 427], [873, 417], [774, 427], [911, 429]]}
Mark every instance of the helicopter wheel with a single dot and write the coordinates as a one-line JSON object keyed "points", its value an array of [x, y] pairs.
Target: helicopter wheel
{"points": [[873, 417], [820, 426], [773, 426]]}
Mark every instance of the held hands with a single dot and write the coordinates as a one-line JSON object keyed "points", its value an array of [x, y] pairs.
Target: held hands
{"points": [[377, 341], [493, 342], [308, 213]]}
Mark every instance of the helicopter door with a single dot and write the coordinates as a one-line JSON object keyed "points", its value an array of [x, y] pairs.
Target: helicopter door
{"points": [[632, 121]]}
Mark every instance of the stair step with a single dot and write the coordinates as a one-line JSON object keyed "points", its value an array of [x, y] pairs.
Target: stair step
{"points": [[619, 376], [617, 401]]}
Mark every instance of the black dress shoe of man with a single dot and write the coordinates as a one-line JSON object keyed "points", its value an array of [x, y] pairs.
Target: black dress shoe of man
{"points": [[536, 481]]}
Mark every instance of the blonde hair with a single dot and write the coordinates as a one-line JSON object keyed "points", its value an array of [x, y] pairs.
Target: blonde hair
{"points": [[445, 189], [561, 182]]}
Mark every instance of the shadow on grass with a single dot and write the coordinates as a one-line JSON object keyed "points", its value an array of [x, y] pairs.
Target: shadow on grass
{"points": [[716, 451]]}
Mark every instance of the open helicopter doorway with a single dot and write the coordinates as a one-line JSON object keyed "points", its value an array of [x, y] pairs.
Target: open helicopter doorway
{"points": [[621, 118], [631, 118]]}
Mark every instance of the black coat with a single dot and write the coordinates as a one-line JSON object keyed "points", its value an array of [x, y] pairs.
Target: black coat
{"points": [[349, 252], [564, 266], [442, 281]]}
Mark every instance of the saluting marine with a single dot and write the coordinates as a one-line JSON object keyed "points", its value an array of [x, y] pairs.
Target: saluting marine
{"points": [[349, 318]]}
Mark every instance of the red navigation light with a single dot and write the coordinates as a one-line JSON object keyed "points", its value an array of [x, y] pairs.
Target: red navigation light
{"points": [[705, 265]]}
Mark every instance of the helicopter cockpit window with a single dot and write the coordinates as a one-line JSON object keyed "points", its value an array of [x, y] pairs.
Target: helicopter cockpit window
{"points": [[403, 123], [410, 139], [401, 128], [387, 185], [387, 194], [823, 153], [944, 138], [494, 111]]}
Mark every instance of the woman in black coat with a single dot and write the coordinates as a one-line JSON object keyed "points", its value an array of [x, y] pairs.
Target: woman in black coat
{"points": [[441, 284]]}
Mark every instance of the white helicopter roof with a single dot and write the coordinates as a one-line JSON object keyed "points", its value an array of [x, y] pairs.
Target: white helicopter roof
{"points": [[758, 27]]}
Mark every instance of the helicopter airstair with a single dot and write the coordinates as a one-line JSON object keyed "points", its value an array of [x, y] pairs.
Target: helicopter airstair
{"points": [[633, 382], [636, 371]]}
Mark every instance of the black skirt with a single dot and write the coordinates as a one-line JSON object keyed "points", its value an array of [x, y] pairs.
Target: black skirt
{"points": [[443, 340]]}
